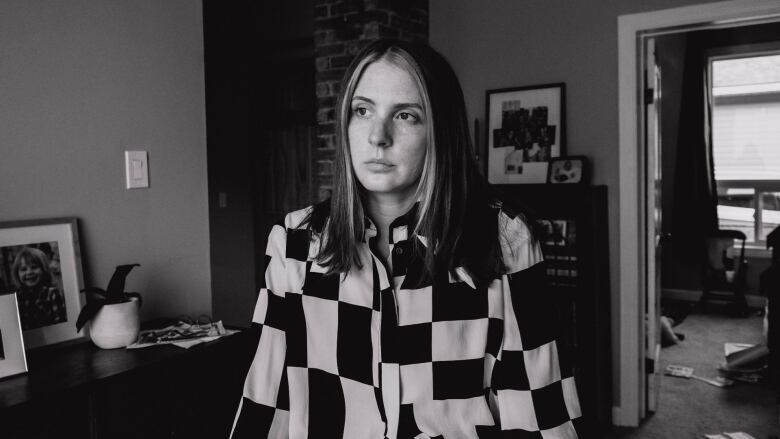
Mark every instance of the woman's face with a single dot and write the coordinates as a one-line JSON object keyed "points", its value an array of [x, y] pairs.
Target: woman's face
{"points": [[30, 274], [387, 131]]}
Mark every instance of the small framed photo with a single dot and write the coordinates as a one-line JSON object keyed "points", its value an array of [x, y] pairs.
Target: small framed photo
{"points": [[567, 170], [13, 360], [40, 263], [525, 130]]}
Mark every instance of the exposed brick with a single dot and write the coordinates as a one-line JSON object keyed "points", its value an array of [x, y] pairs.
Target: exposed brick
{"points": [[328, 101], [329, 75], [322, 63], [376, 30], [323, 89], [335, 22], [354, 47], [378, 16], [326, 128], [330, 49], [325, 115], [321, 11], [347, 6], [324, 167], [323, 37], [340, 61], [326, 143]]}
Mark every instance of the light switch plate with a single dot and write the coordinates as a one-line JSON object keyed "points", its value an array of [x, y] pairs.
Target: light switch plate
{"points": [[136, 169]]}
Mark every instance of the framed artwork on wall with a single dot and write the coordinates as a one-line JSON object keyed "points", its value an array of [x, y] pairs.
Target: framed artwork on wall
{"points": [[567, 170], [525, 130], [13, 360], [40, 263]]}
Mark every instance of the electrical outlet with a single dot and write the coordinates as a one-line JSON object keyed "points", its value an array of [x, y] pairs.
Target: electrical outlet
{"points": [[136, 169]]}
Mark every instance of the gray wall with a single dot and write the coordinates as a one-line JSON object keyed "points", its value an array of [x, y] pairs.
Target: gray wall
{"points": [[83, 80], [507, 43]]}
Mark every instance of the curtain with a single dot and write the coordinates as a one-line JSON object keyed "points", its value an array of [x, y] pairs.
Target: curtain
{"points": [[695, 193]]}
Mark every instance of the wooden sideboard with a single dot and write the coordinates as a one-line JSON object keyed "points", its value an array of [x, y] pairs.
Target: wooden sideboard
{"points": [[81, 391]]}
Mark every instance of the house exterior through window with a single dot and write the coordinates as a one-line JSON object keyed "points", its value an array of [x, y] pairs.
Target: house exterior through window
{"points": [[746, 142]]}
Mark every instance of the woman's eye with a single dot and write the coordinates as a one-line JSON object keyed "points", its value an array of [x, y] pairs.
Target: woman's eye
{"points": [[360, 111], [407, 116]]}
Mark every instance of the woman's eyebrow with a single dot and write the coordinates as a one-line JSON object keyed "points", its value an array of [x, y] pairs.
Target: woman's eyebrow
{"points": [[414, 105]]}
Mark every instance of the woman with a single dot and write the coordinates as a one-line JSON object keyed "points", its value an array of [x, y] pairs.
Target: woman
{"points": [[40, 302], [411, 304]]}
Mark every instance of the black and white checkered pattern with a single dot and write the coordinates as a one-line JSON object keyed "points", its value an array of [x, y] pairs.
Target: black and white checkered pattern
{"points": [[367, 355]]}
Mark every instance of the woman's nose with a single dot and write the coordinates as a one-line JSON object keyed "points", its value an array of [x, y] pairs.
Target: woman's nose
{"points": [[380, 135]]}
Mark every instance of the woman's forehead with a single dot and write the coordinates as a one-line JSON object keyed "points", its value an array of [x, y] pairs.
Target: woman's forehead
{"points": [[387, 80]]}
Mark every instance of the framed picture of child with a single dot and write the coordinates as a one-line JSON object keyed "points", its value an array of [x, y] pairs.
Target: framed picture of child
{"points": [[525, 130], [13, 360], [40, 264]]}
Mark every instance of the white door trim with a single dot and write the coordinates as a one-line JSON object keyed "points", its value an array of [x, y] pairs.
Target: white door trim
{"points": [[631, 174]]}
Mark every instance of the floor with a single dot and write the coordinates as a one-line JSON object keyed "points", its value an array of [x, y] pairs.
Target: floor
{"points": [[690, 408]]}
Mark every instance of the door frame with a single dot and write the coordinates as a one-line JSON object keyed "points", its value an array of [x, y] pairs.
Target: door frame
{"points": [[633, 252]]}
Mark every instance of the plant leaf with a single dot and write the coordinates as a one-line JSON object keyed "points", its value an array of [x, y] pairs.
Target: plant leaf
{"points": [[137, 296], [116, 286], [94, 293], [89, 311]]}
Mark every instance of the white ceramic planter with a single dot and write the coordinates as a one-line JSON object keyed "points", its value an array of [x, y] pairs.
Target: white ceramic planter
{"points": [[115, 325]]}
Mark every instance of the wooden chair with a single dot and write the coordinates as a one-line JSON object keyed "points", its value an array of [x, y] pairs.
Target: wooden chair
{"points": [[724, 277]]}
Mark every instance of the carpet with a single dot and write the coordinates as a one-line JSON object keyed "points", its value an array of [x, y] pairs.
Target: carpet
{"points": [[690, 408]]}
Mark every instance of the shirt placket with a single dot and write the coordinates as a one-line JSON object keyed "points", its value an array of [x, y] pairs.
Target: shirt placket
{"points": [[389, 373]]}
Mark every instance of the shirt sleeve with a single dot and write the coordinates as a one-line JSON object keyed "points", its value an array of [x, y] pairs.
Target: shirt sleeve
{"points": [[264, 408], [532, 387]]}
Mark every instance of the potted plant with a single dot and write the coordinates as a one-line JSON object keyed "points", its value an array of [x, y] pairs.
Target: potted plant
{"points": [[112, 313]]}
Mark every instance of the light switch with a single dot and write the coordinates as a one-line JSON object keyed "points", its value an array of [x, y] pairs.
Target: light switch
{"points": [[136, 169]]}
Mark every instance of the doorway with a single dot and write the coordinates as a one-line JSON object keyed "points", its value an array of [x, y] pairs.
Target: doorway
{"points": [[690, 101], [634, 250]]}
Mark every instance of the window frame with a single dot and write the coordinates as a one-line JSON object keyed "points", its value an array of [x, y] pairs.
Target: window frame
{"points": [[759, 186]]}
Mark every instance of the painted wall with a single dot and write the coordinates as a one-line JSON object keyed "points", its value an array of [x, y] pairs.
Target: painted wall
{"points": [[506, 43], [81, 82]]}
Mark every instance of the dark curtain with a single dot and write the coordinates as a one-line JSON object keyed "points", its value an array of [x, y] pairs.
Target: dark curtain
{"points": [[695, 198]]}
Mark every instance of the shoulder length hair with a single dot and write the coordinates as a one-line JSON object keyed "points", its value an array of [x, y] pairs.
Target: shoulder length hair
{"points": [[454, 213]]}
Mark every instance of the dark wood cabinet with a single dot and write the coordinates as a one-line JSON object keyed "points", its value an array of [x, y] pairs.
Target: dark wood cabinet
{"points": [[572, 226], [81, 391]]}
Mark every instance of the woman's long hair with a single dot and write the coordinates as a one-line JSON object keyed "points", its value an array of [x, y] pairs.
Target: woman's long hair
{"points": [[455, 213]]}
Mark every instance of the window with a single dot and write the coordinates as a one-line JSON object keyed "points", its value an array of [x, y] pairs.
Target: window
{"points": [[746, 142]]}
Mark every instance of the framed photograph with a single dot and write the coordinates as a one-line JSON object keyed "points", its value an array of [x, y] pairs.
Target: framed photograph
{"points": [[13, 360], [525, 130], [567, 170], [40, 263]]}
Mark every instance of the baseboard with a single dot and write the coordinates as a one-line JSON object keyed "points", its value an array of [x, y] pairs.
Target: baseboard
{"points": [[753, 301]]}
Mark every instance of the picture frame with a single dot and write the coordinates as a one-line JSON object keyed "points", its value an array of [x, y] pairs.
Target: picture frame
{"points": [[525, 128], [40, 262], [13, 359], [568, 170]]}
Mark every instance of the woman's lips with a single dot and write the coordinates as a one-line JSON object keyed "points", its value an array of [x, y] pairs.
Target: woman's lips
{"points": [[379, 165]]}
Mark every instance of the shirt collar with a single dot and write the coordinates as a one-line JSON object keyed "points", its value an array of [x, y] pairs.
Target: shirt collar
{"points": [[399, 227]]}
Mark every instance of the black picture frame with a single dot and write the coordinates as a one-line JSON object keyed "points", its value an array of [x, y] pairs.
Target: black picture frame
{"points": [[568, 170], [525, 127]]}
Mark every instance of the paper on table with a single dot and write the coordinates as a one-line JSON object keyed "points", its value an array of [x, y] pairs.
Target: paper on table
{"points": [[181, 334]]}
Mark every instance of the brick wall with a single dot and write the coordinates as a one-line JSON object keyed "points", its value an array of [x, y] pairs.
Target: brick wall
{"points": [[341, 29]]}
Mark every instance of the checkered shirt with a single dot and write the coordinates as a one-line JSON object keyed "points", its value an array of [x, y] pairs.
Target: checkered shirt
{"points": [[366, 355]]}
